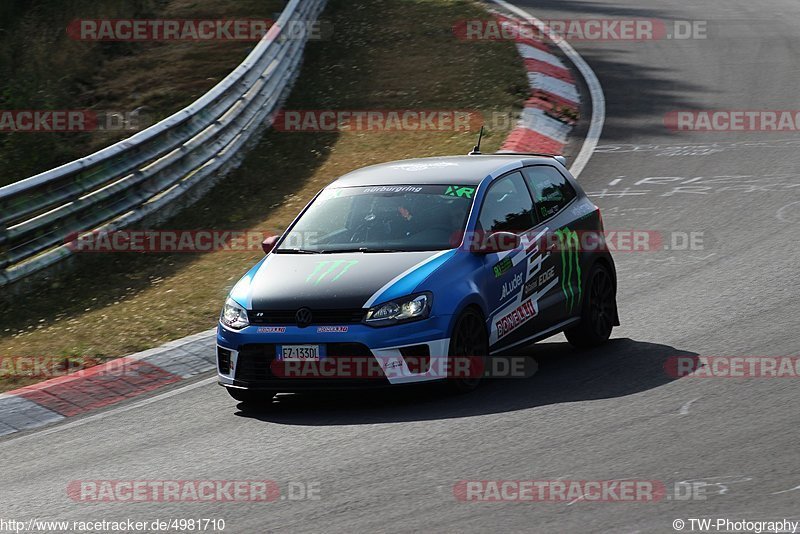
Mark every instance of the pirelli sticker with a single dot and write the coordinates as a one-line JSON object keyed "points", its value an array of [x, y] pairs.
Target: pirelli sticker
{"points": [[519, 316]]}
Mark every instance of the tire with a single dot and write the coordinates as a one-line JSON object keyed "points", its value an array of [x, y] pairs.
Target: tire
{"points": [[469, 339], [598, 311], [251, 397]]}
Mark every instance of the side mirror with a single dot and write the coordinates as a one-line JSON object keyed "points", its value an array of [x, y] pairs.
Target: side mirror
{"points": [[269, 243], [497, 242]]}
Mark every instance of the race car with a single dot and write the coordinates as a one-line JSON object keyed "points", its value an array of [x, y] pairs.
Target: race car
{"points": [[408, 266]]}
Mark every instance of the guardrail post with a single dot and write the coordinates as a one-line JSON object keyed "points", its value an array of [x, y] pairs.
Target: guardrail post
{"points": [[3, 249]]}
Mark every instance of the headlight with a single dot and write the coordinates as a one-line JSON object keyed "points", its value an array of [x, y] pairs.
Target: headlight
{"points": [[397, 311], [233, 315]]}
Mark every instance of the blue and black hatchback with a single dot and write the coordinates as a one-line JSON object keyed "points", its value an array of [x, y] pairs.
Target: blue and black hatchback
{"points": [[412, 264]]}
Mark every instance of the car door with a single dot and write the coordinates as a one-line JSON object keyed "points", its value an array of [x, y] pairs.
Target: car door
{"points": [[508, 207], [560, 290]]}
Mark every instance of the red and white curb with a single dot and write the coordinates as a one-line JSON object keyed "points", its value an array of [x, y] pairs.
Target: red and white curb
{"points": [[541, 62], [107, 384], [552, 108]]}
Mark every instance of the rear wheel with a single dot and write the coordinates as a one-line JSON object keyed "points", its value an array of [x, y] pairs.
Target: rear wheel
{"points": [[469, 352], [598, 311], [249, 396]]}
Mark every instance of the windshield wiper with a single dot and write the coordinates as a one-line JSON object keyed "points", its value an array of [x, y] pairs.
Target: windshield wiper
{"points": [[297, 251], [360, 249]]}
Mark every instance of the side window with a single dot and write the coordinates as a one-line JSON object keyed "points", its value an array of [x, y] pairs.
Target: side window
{"points": [[507, 206], [551, 190]]}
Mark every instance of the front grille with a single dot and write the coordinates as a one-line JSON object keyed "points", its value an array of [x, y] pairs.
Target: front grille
{"points": [[254, 368], [287, 317], [348, 350], [224, 360]]}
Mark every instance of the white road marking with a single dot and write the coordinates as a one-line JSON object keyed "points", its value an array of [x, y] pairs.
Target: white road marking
{"points": [[595, 89], [114, 411], [623, 193], [583, 496], [722, 487], [786, 491], [614, 182], [685, 408], [782, 216]]}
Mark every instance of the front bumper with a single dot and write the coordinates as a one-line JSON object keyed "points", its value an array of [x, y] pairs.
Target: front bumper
{"points": [[357, 355]]}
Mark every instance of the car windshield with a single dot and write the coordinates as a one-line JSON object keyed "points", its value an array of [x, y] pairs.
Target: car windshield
{"points": [[398, 218]]}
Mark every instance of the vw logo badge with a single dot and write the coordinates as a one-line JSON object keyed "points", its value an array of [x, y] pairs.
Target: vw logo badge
{"points": [[303, 317]]}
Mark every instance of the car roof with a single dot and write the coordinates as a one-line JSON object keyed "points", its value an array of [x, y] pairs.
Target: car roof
{"points": [[445, 170]]}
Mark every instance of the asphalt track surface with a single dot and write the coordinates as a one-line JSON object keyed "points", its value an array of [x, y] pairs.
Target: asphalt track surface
{"points": [[389, 461]]}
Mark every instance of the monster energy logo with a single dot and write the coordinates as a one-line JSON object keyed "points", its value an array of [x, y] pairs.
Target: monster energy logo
{"points": [[569, 245], [460, 191], [333, 268]]}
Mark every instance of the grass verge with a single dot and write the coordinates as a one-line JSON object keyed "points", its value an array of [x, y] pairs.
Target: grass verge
{"points": [[382, 54], [42, 68]]}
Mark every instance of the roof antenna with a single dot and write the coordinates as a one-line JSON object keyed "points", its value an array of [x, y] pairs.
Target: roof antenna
{"points": [[476, 150]]}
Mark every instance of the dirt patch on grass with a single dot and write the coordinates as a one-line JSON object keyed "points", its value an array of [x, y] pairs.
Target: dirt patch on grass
{"points": [[383, 54]]}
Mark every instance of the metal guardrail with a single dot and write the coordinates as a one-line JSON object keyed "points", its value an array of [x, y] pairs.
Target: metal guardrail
{"points": [[143, 174]]}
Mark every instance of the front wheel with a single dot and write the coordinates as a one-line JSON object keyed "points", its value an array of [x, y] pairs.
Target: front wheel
{"points": [[469, 352], [598, 312]]}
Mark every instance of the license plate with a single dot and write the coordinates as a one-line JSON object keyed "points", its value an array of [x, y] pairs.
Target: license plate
{"points": [[299, 353]]}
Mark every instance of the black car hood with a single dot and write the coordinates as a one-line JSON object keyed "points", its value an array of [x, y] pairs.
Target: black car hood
{"points": [[325, 281]]}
